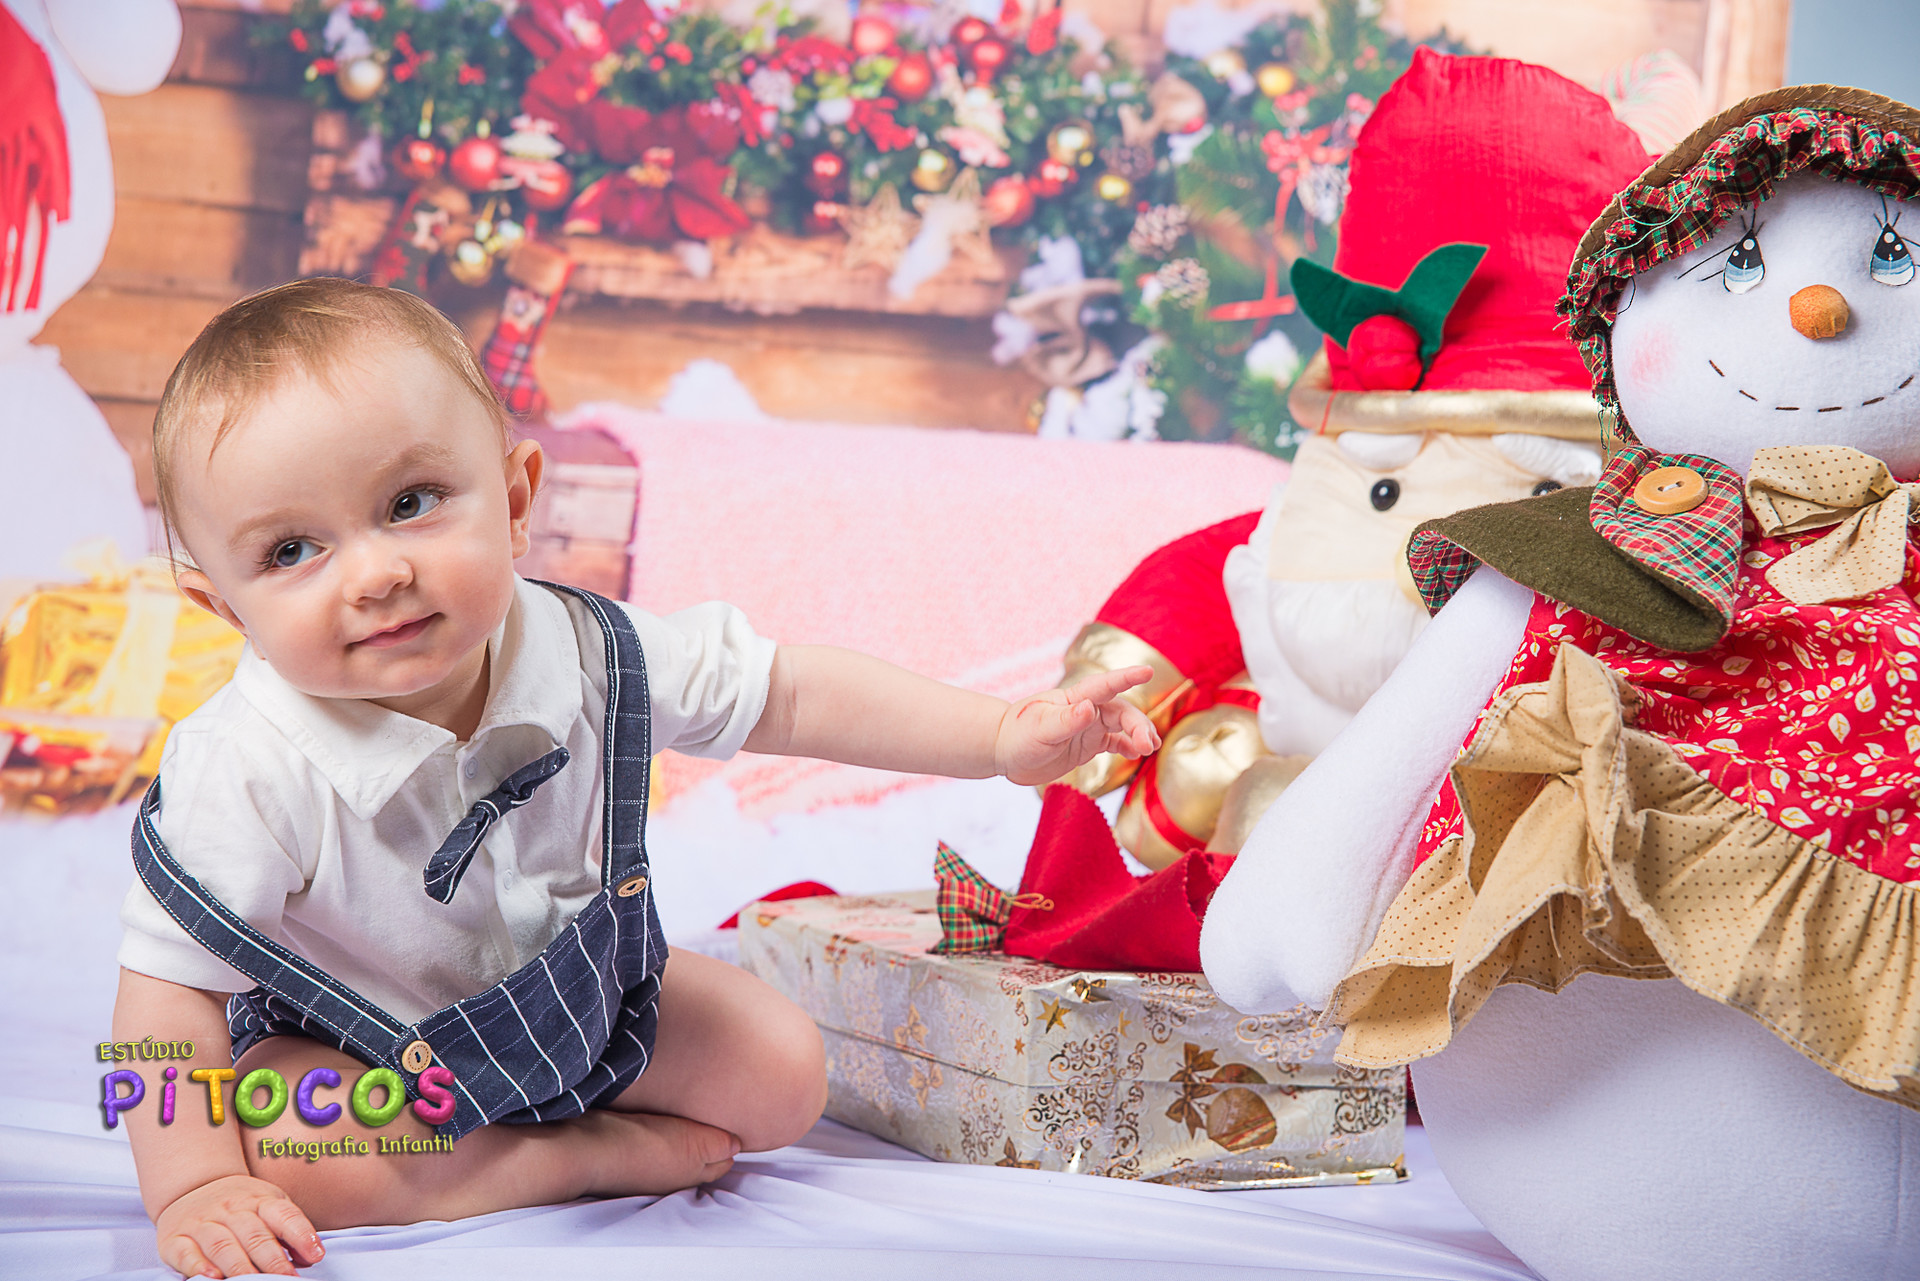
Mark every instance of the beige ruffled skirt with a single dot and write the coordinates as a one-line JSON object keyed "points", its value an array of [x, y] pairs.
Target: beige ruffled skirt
{"points": [[1589, 847]]}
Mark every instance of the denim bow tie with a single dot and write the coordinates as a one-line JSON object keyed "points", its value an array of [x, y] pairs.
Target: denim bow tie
{"points": [[449, 862]]}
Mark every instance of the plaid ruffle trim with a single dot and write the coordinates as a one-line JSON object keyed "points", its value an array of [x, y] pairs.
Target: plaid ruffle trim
{"points": [[1697, 550], [973, 910], [1737, 170]]}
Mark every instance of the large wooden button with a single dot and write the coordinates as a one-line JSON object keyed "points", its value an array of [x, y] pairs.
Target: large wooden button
{"points": [[631, 886], [1668, 491], [417, 1058]]}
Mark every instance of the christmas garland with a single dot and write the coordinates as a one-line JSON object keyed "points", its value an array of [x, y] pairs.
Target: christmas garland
{"points": [[661, 125]]}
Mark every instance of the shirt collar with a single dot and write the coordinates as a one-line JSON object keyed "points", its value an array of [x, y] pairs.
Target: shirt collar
{"points": [[367, 753]]}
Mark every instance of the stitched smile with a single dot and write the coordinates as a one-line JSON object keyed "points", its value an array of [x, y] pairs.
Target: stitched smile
{"points": [[1818, 409]]}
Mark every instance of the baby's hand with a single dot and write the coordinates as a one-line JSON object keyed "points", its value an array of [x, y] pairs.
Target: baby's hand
{"points": [[233, 1227], [1045, 736]]}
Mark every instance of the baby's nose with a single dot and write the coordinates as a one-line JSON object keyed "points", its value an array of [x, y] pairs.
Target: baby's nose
{"points": [[1818, 311]]}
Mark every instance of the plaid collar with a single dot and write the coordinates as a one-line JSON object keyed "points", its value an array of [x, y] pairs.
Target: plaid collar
{"points": [[1658, 221], [1696, 551]]}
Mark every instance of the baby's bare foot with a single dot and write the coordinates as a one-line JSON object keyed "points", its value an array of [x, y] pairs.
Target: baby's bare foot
{"points": [[644, 1154]]}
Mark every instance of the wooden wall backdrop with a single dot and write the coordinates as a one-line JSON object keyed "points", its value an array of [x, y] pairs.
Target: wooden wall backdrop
{"points": [[212, 177]]}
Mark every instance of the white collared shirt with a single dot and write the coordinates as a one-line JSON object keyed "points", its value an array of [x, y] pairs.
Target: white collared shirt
{"points": [[313, 818]]}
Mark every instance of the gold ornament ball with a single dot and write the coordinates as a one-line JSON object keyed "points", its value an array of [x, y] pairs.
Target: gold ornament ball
{"points": [[1070, 142], [360, 79], [470, 263], [933, 170], [1226, 64], [1115, 188], [1276, 80]]}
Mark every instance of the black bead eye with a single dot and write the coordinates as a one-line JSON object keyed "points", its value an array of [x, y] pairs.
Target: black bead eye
{"points": [[1546, 487], [1384, 494]]}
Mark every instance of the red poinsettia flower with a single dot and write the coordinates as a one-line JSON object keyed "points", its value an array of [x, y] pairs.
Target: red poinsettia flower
{"points": [[673, 186], [1044, 34], [806, 54], [751, 116], [549, 28], [874, 117]]}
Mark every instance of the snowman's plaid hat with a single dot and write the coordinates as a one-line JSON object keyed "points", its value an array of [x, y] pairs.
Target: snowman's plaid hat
{"points": [[1728, 164]]}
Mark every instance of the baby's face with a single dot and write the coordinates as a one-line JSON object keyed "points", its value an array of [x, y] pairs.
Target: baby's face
{"points": [[362, 536]]}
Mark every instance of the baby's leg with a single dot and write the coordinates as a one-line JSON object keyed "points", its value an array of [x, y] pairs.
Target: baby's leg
{"points": [[734, 1053], [496, 1167]]}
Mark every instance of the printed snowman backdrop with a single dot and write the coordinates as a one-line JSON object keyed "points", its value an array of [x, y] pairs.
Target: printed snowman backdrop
{"points": [[1655, 951], [66, 480]]}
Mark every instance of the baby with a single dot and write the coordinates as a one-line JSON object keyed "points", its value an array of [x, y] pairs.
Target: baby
{"points": [[409, 834]]}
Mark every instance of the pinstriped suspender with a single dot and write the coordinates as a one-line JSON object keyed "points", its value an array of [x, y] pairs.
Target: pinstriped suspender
{"points": [[568, 1030]]}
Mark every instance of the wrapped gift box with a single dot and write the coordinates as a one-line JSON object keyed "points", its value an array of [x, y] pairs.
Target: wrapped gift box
{"points": [[998, 1060]]}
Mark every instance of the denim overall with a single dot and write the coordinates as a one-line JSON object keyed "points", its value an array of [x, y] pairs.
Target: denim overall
{"points": [[565, 1032]]}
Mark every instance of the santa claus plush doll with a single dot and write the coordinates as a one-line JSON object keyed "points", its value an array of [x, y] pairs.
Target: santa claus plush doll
{"points": [[1443, 385]]}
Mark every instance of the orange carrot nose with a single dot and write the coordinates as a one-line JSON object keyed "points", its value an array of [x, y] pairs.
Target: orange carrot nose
{"points": [[1818, 311]]}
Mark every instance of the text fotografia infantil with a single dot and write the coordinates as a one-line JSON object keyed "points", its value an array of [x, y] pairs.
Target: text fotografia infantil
{"points": [[124, 1089]]}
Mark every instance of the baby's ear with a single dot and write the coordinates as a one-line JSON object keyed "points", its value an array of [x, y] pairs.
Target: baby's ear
{"points": [[198, 588], [525, 467]]}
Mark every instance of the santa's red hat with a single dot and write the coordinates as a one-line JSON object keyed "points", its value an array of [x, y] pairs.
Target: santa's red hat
{"points": [[1474, 151]]}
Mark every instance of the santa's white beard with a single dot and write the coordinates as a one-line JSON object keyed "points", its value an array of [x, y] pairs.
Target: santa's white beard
{"points": [[1342, 639]]}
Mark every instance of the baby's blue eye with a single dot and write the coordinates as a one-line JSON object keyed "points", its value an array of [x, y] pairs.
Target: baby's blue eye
{"points": [[1891, 263], [1744, 267], [414, 503], [292, 552]]}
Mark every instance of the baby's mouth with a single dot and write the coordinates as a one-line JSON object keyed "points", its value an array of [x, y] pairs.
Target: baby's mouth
{"points": [[1818, 409], [398, 634]]}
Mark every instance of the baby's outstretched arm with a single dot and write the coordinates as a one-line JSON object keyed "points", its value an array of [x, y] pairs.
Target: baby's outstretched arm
{"points": [[843, 706], [213, 1218]]}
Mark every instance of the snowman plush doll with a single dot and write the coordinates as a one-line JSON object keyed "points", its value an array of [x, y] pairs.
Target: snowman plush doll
{"points": [[1651, 939], [65, 481]]}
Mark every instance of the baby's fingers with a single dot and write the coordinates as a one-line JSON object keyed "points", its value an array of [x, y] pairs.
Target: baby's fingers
{"points": [[1103, 687], [183, 1255], [294, 1228], [243, 1248]]}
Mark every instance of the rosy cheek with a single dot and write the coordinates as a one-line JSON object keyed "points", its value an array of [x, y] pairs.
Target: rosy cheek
{"points": [[1651, 359]]}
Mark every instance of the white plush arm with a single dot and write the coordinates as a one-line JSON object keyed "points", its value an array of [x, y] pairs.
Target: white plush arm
{"points": [[1306, 895]]}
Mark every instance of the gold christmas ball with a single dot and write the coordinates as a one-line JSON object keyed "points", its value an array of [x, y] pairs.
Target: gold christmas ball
{"points": [[361, 78], [1115, 188], [1226, 64], [1069, 142], [470, 263], [933, 170], [1275, 79]]}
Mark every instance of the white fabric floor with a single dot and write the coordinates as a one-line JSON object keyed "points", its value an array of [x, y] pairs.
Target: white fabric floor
{"points": [[840, 1205]]}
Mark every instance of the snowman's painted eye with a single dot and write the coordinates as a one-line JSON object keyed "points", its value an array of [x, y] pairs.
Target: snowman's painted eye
{"points": [[1892, 262], [1744, 267]]}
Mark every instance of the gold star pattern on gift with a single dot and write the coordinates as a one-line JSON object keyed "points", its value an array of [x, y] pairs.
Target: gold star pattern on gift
{"points": [[968, 227], [1055, 1015], [877, 232]]}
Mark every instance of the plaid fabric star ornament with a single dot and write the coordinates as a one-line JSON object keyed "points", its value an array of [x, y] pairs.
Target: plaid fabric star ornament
{"points": [[973, 910]]}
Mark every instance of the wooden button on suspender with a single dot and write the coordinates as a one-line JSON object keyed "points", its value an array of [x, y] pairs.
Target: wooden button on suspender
{"points": [[417, 1058], [631, 886], [1668, 491]]}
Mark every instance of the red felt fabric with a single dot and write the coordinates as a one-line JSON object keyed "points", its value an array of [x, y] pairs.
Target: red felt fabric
{"points": [[799, 889], [1174, 600], [1103, 916], [1494, 152]]}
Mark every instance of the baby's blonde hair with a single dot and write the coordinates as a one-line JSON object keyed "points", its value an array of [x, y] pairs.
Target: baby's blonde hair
{"points": [[306, 327]]}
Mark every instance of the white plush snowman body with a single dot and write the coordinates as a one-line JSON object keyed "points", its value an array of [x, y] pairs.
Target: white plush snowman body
{"points": [[66, 480], [1620, 1127]]}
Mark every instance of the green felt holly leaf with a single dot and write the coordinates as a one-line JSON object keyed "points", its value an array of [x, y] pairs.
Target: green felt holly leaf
{"points": [[1336, 303]]}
